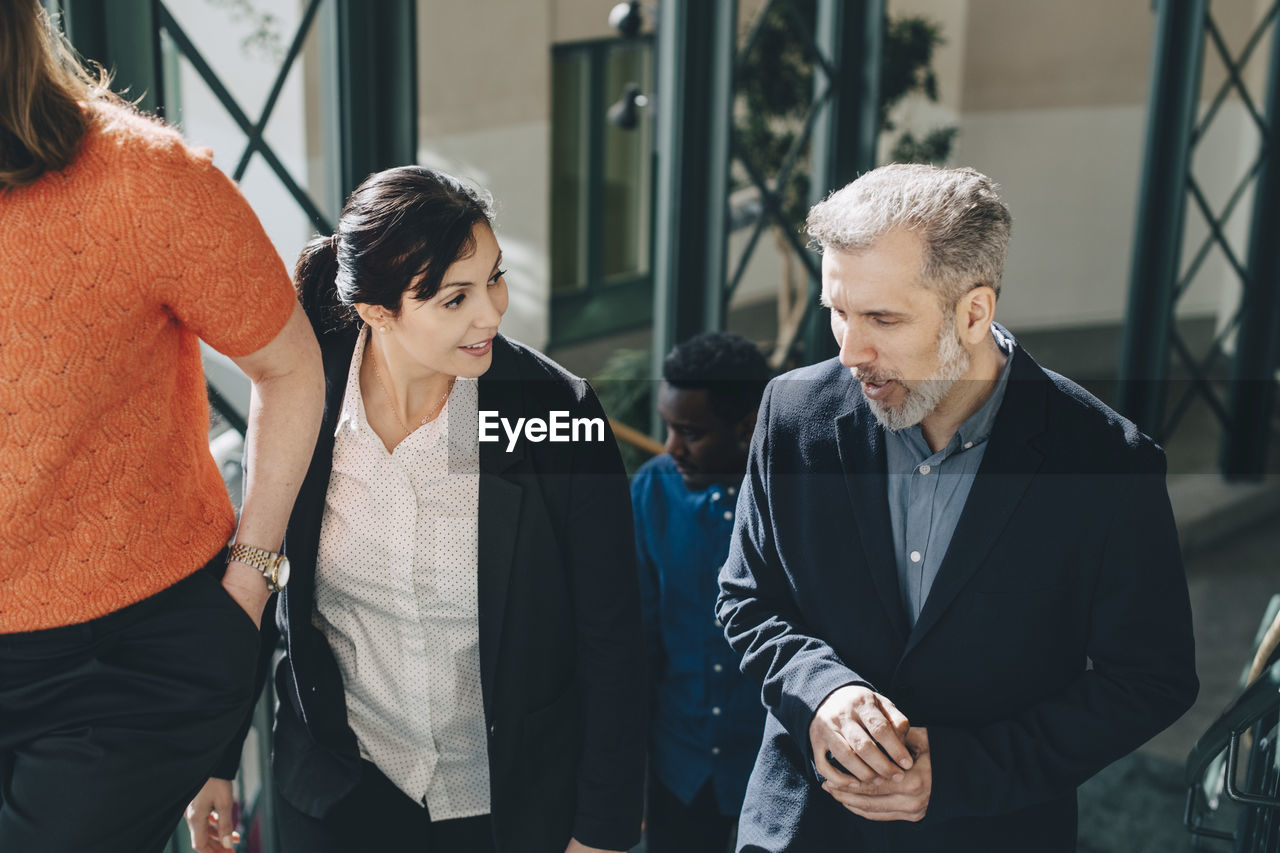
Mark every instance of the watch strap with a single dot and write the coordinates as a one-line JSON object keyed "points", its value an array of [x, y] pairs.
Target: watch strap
{"points": [[264, 561]]}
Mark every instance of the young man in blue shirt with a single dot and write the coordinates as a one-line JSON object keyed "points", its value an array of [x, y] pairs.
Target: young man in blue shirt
{"points": [[707, 718]]}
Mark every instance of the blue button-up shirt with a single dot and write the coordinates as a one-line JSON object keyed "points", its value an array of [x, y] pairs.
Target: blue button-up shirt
{"points": [[708, 718], [927, 490]]}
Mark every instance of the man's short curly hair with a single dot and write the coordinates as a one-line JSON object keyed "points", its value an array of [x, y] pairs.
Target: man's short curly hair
{"points": [[957, 214], [727, 366]]}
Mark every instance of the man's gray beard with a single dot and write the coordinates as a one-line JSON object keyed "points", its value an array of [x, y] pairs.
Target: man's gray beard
{"points": [[924, 396]]}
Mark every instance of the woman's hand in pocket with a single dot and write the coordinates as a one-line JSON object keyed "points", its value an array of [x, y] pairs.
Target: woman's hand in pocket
{"points": [[248, 588]]}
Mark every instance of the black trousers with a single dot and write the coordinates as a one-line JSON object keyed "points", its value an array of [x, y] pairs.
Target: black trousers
{"points": [[377, 817], [693, 827], [108, 728]]}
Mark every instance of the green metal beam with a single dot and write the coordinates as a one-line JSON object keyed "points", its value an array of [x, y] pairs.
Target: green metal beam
{"points": [[850, 34], [377, 87], [594, 225], [1157, 247], [124, 37], [1253, 385], [696, 41]]}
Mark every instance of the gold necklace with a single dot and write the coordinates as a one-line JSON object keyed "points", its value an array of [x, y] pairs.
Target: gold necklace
{"points": [[391, 401]]}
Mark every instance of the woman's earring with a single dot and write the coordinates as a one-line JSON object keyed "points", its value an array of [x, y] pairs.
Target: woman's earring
{"points": [[385, 329]]}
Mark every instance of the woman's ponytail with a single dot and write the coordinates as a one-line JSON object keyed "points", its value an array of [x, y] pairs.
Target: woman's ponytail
{"points": [[316, 279]]}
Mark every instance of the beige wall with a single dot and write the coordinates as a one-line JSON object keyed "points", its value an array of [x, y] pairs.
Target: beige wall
{"points": [[1045, 54], [950, 58], [1038, 54], [482, 64], [1070, 176], [484, 98]]}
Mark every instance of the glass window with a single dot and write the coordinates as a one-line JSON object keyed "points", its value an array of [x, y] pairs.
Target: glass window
{"points": [[626, 156], [569, 170], [601, 189]]}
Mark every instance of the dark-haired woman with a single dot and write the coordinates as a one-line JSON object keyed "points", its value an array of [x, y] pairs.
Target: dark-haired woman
{"points": [[125, 665], [463, 633]]}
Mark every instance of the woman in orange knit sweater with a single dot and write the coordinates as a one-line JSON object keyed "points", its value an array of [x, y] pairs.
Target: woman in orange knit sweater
{"points": [[127, 656]]}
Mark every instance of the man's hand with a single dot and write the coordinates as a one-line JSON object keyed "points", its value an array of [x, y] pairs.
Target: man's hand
{"points": [[209, 818], [863, 731], [576, 846], [904, 799], [248, 588]]}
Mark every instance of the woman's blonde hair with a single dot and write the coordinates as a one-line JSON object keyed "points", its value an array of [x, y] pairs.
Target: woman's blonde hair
{"points": [[43, 115]]}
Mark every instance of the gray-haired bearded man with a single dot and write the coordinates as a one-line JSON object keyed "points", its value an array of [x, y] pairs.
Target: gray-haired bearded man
{"points": [[955, 574]]}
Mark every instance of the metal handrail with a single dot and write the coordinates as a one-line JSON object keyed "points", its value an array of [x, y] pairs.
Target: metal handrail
{"points": [[1255, 703], [636, 438], [1262, 696], [1243, 797]]}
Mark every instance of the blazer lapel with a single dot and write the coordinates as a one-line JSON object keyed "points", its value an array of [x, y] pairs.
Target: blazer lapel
{"points": [[1010, 462], [302, 540], [862, 458], [500, 499]]}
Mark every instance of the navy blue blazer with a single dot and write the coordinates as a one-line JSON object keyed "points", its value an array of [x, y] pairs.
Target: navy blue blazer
{"points": [[1056, 638], [561, 651]]}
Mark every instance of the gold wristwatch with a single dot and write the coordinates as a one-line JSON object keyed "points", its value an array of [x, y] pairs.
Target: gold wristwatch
{"points": [[274, 567]]}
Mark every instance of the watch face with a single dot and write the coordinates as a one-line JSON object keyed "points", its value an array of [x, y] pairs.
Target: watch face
{"points": [[282, 572]]}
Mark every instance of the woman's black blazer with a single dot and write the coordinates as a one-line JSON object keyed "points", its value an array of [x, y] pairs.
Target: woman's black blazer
{"points": [[561, 656]]}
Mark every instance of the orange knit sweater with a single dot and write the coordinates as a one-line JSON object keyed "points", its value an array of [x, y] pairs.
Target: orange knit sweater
{"points": [[110, 272]]}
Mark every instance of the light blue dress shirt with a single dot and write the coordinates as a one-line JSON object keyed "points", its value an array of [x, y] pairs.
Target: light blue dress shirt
{"points": [[927, 491]]}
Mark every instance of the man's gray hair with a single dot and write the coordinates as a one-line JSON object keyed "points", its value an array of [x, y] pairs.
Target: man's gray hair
{"points": [[957, 214]]}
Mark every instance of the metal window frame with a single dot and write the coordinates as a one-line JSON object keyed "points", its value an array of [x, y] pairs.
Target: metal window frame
{"points": [[694, 280], [600, 308], [1186, 29]]}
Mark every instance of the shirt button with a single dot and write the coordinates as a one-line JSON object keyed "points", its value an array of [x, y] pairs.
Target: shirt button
{"points": [[925, 469], [728, 515], [493, 727], [717, 668], [968, 444], [715, 712], [715, 750], [731, 490], [715, 496], [915, 556]]}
